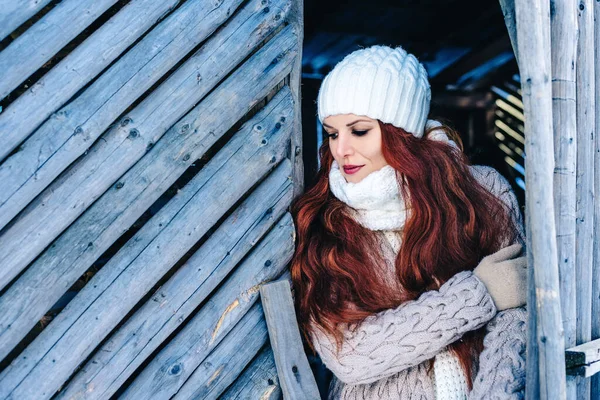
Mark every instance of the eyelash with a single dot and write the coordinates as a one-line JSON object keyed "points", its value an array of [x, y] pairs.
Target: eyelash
{"points": [[357, 133]]}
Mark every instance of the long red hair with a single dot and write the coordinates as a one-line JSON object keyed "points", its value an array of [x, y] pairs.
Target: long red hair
{"points": [[453, 223]]}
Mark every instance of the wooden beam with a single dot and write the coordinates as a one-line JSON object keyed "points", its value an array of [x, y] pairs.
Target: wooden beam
{"points": [[585, 177], [563, 31], [508, 10], [533, 31], [296, 20], [585, 371], [595, 380], [585, 353], [295, 376]]}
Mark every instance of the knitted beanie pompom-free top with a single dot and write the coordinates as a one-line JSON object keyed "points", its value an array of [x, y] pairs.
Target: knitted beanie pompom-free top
{"points": [[380, 82]]}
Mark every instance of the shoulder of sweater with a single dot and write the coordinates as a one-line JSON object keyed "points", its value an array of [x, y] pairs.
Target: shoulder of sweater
{"points": [[490, 178]]}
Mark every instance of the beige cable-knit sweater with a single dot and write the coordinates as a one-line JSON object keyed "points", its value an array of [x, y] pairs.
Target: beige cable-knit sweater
{"points": [[385, 358]]}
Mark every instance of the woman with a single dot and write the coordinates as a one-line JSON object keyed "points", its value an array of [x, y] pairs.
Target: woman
{"points": [[406, 272]]}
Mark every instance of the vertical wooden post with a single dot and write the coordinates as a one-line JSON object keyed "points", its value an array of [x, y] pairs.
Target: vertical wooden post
{"points": [[595, 380], [508, 10], [296, 19], [533, 32], [563, 32], [585, 178]]}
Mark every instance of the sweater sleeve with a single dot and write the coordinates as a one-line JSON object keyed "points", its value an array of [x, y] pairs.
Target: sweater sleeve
{"points": [[497, 184], [396, 339], [501, 372]]}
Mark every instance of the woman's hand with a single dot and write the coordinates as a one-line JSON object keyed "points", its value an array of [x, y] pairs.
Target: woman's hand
{"points": [[505, 277]]}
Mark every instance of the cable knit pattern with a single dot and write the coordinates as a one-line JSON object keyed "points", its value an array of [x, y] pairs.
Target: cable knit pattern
{"points": [[415, 331], [384, 356]]}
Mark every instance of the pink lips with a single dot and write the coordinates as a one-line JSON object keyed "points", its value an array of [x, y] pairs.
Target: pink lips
{"points": [[351, 169]]}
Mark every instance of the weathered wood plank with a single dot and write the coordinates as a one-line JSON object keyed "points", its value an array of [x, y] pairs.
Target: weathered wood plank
{"points": [[63, 81], [67, 197], [585, 178], [533, 32], [71, 255], [152, 324], [508, 10], [295, 376], [259, 380], [173, 365], [595, 380], [14, 12], [296, 19], [70, 132], [222, 367], [585, 371], [563, 31], [43, 40], [150, 253], [585, 353], [532, 375]]}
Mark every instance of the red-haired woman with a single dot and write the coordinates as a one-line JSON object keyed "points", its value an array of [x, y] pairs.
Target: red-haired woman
{"points": [[407, 275]]}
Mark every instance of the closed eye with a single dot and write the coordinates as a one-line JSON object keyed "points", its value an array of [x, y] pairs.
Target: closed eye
{"points": [[357, 133]]}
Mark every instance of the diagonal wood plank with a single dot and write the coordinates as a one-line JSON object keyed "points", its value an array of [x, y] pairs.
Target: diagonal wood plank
{"points": [[14, 12], [152, 324], [74, 128], [173, 365], [150, 253], [45, 38], [70, 195], [78, 68], [71, 255]]}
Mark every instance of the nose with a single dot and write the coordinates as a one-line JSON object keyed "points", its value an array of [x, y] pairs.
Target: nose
{"points": [[345, 145]]}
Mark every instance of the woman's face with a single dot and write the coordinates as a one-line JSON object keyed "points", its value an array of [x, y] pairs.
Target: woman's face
{"points": [[355, 140]]}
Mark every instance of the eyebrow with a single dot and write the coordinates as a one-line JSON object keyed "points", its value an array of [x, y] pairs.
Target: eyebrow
{"points": [[350, 124]]}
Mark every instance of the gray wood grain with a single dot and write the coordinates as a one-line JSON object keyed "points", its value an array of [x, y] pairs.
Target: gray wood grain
{"points": [[91, 235], [595, 380], [585, 353], [174, 364], [585, 178], [259, 380], [123, 145], [296, 20], [533, 32], [585, 371], [72, 130], [563, 31], [508, 10], [14, 12], [152, 324], [150, 253], [78, 68], [295, 376], [225, 363], [41, 41]]}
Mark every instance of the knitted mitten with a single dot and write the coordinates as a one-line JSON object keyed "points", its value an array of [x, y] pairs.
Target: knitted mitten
{"points": [[505, 277]]}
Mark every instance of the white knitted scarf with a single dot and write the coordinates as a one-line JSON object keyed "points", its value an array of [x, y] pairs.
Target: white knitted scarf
{"points": [[377, 204]]}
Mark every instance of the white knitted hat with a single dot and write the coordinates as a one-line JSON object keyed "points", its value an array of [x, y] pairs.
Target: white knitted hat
{"points": [[380, 82]]}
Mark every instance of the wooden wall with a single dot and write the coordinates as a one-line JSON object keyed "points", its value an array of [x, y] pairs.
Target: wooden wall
{"points": [[149, 151]]}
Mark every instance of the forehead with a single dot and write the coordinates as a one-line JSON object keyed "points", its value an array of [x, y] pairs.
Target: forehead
{"points": [[340, 120]]}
